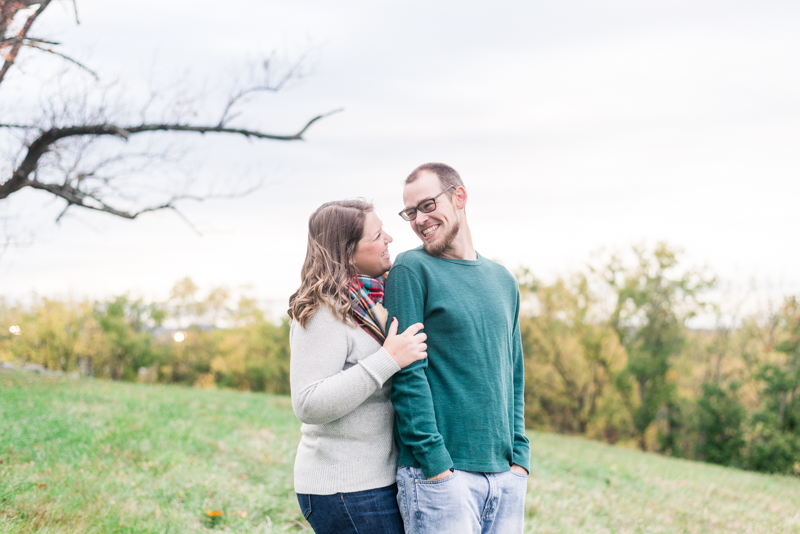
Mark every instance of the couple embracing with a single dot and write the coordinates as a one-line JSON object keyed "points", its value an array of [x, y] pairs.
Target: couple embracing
{"points": [[405, 430]]}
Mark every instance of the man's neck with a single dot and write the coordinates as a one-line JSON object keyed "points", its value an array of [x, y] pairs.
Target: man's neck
{"points": [[461, 248]]}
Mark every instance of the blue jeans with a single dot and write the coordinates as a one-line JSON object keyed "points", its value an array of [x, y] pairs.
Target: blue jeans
{"points": [[360, 512], [463, 503]]}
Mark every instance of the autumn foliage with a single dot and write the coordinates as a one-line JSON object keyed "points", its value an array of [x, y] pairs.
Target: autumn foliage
{"points": [[633, 349]]}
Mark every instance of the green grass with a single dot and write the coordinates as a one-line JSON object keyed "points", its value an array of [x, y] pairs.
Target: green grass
{"points": [[119, 457], [96, 456]]}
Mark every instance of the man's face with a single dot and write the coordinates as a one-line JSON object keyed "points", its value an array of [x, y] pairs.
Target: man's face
{"points": [[439, 228]]}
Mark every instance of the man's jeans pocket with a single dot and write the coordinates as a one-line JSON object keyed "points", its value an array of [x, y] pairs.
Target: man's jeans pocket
{"points": [[431, 506], [423, 480]]}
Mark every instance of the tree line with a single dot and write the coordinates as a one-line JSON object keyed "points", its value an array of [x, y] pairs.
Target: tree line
{"points": [[191, 339], [609, 355]]}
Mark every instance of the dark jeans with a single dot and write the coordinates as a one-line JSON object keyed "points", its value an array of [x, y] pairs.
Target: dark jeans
{"points": [[360, 512]]}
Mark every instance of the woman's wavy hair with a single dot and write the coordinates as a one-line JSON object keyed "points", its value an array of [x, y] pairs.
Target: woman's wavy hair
{"points": [[334, 231]]}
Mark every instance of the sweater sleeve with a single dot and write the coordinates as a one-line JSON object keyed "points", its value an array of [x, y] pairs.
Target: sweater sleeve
{"points": [[522, 449], [411, 392], [322, 391]]}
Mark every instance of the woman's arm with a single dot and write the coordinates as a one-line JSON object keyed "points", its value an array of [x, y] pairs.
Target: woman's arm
{"points": [[321, 390]]}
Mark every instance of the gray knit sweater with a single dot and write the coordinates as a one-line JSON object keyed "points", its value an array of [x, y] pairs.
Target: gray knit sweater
{"points": [[340, 378]]}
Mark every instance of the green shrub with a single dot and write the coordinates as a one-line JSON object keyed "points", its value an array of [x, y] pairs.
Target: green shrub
{"points": [[720, 425]]}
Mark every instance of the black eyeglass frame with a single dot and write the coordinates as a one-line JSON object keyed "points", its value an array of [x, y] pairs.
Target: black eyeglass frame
{"points": [[404, 214]]}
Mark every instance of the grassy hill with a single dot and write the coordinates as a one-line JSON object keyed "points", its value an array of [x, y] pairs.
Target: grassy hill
{"points": [[96, 456]]}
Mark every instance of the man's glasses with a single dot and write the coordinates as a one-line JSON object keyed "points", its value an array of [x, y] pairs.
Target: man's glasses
{"points": [[426, 206]]}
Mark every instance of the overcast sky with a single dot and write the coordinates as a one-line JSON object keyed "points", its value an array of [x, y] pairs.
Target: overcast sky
{"points": [[575, 126]]}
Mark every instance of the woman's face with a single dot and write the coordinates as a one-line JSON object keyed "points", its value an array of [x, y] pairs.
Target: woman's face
{"points": [[372, 252]]}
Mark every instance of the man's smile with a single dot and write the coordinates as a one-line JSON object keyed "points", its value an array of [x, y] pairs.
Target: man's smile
{"points": [[430, 230]]}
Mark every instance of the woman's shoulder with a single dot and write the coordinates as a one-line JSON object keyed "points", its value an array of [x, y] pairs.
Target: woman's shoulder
{"points": [[323, 320]]}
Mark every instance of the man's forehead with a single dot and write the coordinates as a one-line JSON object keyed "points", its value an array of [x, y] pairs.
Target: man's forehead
{"points": [[426, 185]]}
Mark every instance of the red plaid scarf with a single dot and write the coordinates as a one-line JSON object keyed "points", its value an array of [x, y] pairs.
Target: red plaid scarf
{"points": [[365, 293]]}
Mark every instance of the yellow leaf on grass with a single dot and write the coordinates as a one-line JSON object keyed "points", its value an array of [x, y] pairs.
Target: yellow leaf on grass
{"points": [[213, 513]]}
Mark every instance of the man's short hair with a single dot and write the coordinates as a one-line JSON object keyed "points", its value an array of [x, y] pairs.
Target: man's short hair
{"points": [[447, 175]]}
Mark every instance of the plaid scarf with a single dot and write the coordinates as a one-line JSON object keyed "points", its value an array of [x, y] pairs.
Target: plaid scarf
{"points": [[366, 294]]}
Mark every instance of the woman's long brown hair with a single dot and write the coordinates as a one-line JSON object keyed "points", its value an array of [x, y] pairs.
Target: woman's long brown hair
{"points": [[334, 231]]}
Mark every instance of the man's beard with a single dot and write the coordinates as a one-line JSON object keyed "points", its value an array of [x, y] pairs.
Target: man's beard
{"points": [[437, 249]]}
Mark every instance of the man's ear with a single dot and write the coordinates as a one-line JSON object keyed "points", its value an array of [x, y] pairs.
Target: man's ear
{"points": [[460, 197]]}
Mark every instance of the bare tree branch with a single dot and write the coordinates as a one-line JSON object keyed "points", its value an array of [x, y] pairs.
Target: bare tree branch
{"points": [[63, 212], [28, 39], [59, 54], [75, 197], [47, 138], [186, 220], [222, 129], [11, 56], [62, 153], [20, 126], [266, 86]]}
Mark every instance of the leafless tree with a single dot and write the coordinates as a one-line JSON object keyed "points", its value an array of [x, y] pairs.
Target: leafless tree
{"points": [[65, 149]]}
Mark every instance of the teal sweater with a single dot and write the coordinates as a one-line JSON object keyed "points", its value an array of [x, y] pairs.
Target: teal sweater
{"points": [[462, 406]]}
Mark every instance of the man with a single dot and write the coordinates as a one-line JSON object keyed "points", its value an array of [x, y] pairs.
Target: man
{"points": [[464, 458]]}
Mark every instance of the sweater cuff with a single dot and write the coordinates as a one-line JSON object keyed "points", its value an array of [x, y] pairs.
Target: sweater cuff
{"points": [[380, 366], [435, 461], [522, 457]]}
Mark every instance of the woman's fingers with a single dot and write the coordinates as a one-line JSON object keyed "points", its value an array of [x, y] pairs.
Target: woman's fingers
{"points": [[413, 329], [392, 328], [407, 347]]}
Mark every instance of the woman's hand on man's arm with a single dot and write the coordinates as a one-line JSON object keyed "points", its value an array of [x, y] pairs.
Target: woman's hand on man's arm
{"points": [[408, 347]]}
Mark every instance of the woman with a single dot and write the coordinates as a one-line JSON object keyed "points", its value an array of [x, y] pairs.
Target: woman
{"points": [[344, 472]]}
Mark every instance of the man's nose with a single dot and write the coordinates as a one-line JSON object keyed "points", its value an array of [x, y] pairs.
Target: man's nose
{"points": [[421, 219]]}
